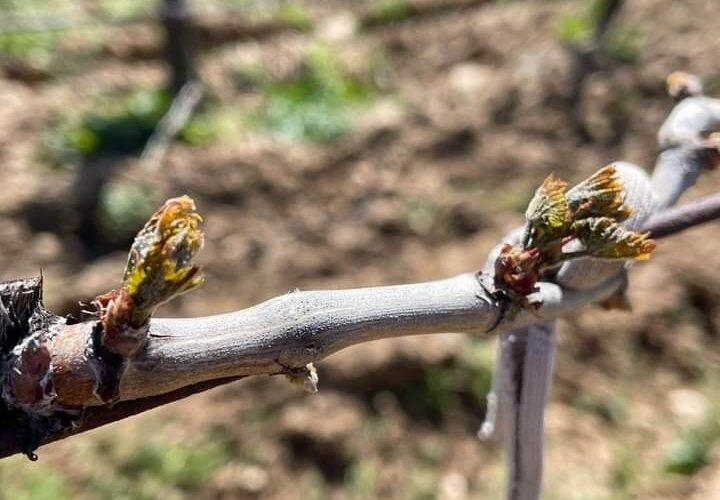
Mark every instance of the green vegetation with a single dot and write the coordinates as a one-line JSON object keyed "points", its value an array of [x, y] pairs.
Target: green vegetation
{"points": [[687, 455], [248, 77], [316, 106], [290, 12], [32, 46], [465, 380], [187, 467], [609, 409], [203, 128], [622, 42], [362, 478], [424, 484], [574, 28], [124, 208], [38, 45], [159, 468], [127, 8], [388, 11], [624, 469], [690, 451], [155, 468], [294, 15], [120, 124], [29, 481], [419, 215]]}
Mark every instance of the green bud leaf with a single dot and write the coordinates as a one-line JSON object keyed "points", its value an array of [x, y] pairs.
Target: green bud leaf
{"points": [[600, 195], [603, 237], [159, 265], [548, 214], [159, 268]]}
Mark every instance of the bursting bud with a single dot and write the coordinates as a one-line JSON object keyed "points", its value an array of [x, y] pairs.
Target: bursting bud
{"points": [[159, 268]]}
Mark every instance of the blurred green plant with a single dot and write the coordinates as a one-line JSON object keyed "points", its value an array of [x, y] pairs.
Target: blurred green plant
{"points": [[388, 11], [24, 481], [248, 77], [202, 129], [622, 42], [316, 106], [424, 483], [289, 12], [294, 15], [117, 125], [362, 478], [462, 382], [625, 468], [39, 47], [187, 467], [32, 46], [690, 451], [124, 208], [687, 455], [611, 410], [126, 8], [160, 468], [121, 125], [574, 28], [420, 214]]}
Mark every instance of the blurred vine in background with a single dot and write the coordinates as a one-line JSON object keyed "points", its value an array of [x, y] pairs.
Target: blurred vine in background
{"points": [[118, 125], [622, 43]]}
